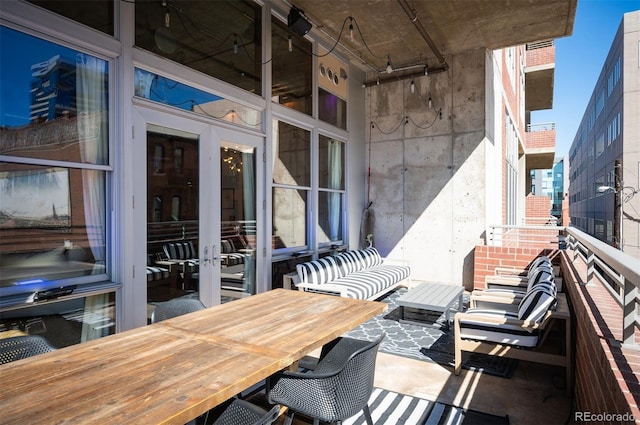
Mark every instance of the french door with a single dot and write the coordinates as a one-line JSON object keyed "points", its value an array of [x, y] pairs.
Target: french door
{"points": [[201, 195]]}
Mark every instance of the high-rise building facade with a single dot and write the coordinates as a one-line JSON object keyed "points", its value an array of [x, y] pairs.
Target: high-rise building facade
{"points": [[605, 154]]}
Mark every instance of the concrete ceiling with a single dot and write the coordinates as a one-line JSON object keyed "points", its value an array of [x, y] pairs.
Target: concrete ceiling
{"points": [[384, 28]]}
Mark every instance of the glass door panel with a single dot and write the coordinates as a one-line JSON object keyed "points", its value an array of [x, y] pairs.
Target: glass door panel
{"points": [[238, 235], [173, 178]]}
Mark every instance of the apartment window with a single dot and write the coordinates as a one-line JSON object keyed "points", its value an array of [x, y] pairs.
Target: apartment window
{"points": [[54, 181], [609, 231], [599, 229], [291, 185], [600, 102], [291, 68], [158, 88], [221, 39], [331, 190], [178, 160], [511, 167], [614, 76], [613, 129], [599, 145]]}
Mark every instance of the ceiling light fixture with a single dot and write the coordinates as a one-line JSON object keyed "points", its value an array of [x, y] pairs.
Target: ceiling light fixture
{"points": [[167, 15], [351, 30], [426, 70], [389, 67], [235, 46], [413, 87], [430, 102], [290, 44]]}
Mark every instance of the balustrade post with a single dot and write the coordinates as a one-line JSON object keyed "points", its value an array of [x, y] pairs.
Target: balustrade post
{"points": [[629, 313], [591, 266]]}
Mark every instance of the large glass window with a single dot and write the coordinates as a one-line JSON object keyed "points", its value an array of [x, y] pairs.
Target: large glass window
{"points": [[219, 38], [331, 190], [292, 68], [54, 169], [54, 174], [161, 89], [291, 185], [97, 14]]}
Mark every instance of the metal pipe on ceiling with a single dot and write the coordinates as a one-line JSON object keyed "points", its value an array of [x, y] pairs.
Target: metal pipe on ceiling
{"points": [[395, 78], [423, 32]]}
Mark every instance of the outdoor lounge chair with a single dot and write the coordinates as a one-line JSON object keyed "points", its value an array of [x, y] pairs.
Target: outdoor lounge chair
{"points": [[517, 330], [540, 274], [338, 388], [21, 347], [175, 307]]}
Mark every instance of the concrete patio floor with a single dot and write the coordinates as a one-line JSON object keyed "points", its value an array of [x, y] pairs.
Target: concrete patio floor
{"points": [[533, 395]]}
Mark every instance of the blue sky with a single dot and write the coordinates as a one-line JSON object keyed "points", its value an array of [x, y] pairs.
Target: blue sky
{"points": [[579, 60]]}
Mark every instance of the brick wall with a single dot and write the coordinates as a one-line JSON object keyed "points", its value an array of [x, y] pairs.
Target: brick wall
{"points": [[537, 209], [606, 375], [487, 258], [540, 139], [543, 56]]}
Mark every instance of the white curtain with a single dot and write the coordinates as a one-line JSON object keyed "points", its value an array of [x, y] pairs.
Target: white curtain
{"points": [[335, 177], [249, 201], [91, 104]]}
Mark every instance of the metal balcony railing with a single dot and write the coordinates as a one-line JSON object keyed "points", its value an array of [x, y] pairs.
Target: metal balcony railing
{"points": [[545, 126], [540, 45], [619, 272]]}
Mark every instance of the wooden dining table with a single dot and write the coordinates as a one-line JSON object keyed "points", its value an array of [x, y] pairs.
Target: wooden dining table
{"points": [[175, 370]]}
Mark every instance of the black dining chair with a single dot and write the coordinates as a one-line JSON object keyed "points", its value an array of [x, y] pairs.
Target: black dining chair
{"points": [[21, 347], [236, 411], [175, 307], [338, 388]]}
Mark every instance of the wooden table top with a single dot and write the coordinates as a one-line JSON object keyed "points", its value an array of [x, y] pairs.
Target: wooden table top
{"points": [[173, 371]]}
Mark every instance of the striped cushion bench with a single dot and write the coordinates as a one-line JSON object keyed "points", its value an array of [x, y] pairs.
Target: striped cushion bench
{"points": [[360, 274]]}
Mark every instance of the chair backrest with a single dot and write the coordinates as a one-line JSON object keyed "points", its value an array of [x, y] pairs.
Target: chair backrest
{"points": [[175, 307], [180, 250], [237, 411], [352, 386], [21, 347]]}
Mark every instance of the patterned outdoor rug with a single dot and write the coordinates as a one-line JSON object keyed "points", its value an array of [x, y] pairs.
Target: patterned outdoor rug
{"points": [[428, 343], [442, 352], [391, 408]]}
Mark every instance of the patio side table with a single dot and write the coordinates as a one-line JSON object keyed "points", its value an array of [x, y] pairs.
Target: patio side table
{"points": [[433, 297]]}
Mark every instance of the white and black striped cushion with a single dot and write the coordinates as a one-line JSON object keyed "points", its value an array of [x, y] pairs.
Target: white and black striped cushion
{"points": [[320, 271], [539, 261], [365, 283], [180, 250], [354, 261], [540, 274], [537, 302], [498, 333]]}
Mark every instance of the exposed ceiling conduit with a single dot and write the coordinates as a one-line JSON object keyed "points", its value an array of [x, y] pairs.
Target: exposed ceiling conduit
{"points": [[423, 32]]}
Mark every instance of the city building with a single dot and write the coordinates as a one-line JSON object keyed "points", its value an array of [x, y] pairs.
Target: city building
{"points": [[605, 154], [552, 183]]}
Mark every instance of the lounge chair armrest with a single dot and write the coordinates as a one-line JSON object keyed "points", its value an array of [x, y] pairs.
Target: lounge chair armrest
{"points": [[505, 280], [496, 320], [498, 300]]}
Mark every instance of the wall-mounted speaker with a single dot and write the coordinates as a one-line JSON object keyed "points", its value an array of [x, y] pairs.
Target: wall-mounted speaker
{"points": [[297, 22]]}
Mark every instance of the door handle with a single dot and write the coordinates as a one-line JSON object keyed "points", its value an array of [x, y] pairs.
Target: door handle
{"points": [[205, 260], [213, 252]]}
